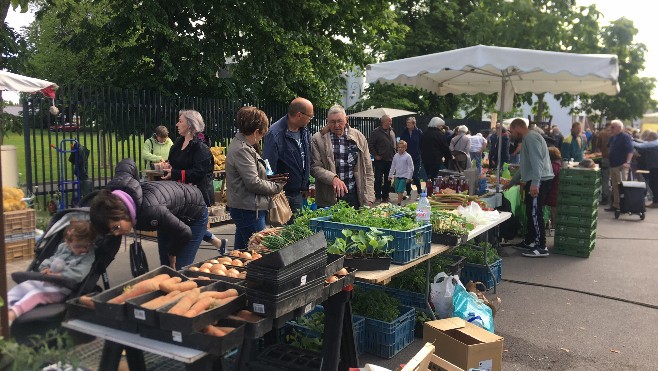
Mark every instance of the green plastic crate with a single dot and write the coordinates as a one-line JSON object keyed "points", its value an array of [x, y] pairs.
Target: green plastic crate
{"points": [[566, 220], [575, 232], [574, 243], [568, 198], [571, 250], [581, 173], [577, 211], [580, 189]]}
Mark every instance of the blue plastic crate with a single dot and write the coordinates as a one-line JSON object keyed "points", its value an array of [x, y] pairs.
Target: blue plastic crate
{"points": [[480, 273], [386, 339], [408, 298], [358, 323], [407, 245]]}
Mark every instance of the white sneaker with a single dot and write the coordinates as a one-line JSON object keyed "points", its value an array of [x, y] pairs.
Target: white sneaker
{"points": [[536, 253]]}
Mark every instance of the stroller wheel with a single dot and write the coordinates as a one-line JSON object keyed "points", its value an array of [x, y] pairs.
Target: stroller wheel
{"points": [[616, 214], [642, 215]]}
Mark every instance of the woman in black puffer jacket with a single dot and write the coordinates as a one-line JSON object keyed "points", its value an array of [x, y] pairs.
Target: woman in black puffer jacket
{"points": [[177, 211]]}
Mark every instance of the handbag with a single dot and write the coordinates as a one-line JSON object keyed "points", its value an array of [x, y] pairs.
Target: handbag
{"points": [[138, 262], [280, 214]]}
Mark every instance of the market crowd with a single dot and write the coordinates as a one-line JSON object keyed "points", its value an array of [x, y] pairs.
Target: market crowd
{"points": [[346, 166]]}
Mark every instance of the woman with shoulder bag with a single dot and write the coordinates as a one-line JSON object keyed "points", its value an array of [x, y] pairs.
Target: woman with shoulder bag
{"points": [[249, 192]]}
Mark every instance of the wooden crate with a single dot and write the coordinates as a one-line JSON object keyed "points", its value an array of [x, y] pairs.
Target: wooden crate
{"points": [[20, 250], [21, 221]]}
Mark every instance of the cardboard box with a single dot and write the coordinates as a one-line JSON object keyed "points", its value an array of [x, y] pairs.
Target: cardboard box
{"points": [[465, 345]]}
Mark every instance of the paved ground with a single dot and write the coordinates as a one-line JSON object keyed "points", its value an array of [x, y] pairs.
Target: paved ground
{"points": [[599, 313]]}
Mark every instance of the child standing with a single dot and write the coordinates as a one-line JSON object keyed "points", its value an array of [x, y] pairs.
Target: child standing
{"points": [[551, 198], [402, 169], [73, 259]]}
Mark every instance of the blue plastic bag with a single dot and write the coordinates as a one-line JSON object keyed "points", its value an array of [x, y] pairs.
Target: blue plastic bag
{"points": [[469, 308]]}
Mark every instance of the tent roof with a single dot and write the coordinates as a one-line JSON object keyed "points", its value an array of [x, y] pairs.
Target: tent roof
{"points": [[480, 69], [14, 82]]}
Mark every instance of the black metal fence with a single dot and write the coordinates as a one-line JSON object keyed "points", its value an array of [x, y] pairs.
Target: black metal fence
{"points": [[112, 124]]}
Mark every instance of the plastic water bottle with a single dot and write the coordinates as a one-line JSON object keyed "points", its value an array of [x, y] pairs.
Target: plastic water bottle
{"points": [[423, 210]]}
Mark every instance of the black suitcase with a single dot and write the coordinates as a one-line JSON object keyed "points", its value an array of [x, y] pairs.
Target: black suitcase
{"points": [[631, 199]]}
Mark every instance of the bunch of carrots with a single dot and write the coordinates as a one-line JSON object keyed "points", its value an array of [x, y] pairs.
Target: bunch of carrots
{"points": [[451, 201]]}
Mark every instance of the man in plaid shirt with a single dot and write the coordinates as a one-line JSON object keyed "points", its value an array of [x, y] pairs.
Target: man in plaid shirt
{"points": [[340, 163]]}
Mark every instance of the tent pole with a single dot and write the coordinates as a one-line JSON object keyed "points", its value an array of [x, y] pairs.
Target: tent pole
{"points": [[500, 133]]}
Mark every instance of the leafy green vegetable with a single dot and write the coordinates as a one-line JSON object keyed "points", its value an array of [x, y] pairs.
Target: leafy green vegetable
{"points": [[287, 236], [375, 304], [414, 279], [450, 223], [362, 243], [299, 339], [475, 254]]}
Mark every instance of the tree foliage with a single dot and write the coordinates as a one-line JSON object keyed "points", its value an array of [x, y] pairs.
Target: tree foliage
{"points": [[273, 50]]}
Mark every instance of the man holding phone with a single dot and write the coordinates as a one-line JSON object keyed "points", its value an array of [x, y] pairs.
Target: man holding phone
{"points": [[287, 149], [341, 163]]}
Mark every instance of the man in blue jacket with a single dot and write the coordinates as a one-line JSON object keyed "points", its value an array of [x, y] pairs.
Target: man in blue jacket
{"points": [[287, 147], [412, 137]]}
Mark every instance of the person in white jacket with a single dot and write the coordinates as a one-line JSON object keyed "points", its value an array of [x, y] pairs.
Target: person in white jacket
{"points": [[402, 169]]}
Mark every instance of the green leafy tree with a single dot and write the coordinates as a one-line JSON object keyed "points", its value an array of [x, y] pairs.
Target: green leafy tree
{"points": [[273, 50]]}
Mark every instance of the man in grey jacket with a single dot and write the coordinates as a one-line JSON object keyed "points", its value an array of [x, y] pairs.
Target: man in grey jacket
{"points": [[536, 172], [382, 145], [341, 163]]}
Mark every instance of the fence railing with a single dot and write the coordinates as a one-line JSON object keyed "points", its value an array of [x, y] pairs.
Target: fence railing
{"points": [[113, 124]]}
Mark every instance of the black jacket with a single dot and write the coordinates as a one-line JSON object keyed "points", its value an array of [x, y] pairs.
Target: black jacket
{"points": [[163, 205], [198, 164], [433, 146]]}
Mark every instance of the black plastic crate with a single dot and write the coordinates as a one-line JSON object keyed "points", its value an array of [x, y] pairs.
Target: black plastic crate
{"points": [[334, 263], [254, 329], [287, 357], [75, 310], [312, 261], [216, 345], [265, 303], [263, 283], [188, 325], [118, 311], [331, 289], [293, 253]]}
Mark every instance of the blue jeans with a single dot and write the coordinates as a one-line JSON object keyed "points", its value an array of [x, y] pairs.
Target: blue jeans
{"points": [[477, 156], [188, 253], [246, 224]]}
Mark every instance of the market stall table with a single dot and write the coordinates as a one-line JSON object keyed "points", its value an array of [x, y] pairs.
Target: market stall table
{"points": [[382, 277], [116, 341]]}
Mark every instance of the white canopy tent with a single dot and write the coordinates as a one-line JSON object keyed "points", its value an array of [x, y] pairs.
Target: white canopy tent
{"points": [[379, 112], [14, 82], [506, 71]]}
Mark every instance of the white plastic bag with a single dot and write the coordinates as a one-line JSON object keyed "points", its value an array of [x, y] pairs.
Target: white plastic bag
{"points": [[441, 291], [474, 214]]}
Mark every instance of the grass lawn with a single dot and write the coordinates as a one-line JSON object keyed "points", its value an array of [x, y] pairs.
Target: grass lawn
{"points": [[46, 166]]}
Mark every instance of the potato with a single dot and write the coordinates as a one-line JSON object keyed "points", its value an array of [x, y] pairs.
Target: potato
{"points": [[256, 255], [237, 263], [245, 255], [213, 261], [194, 269], [233, 273], [218, 266], [205, 265], [225, 260], [219, 272], [204, 270], [331, 279], [235, 253], [342, 272]]}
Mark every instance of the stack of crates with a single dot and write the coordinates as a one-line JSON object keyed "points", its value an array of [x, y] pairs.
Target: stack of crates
{"points": [[19, 229], [577, 211]]}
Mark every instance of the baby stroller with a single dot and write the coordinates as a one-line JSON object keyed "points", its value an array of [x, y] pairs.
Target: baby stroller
{"points": [[49, 316]]}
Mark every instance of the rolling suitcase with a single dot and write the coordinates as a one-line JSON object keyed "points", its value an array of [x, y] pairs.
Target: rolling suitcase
{"points": [[631, 198]]}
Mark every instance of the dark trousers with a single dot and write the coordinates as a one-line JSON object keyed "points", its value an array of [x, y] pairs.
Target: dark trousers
{"points": [[432, 169], [352, 199], [382, 185], [534, 209], [652, 179], [415, 180], [295, 201]]}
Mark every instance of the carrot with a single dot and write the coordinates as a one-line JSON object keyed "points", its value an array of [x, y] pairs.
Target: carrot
{"points": [[185, 286], [220, 302], [160, 300], [199, 307], [168, 284], [213, 331], [185, 303], [86, 301], [220, 294], [140, 288]]}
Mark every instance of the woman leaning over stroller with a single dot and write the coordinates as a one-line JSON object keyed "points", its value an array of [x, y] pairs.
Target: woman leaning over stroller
{"points": [[176, 210]]}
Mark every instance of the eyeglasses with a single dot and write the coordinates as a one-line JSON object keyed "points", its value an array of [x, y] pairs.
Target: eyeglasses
{"points": [[337, 122], [309, 116]]}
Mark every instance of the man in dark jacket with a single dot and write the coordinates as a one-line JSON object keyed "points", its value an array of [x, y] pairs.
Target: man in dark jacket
{"points": [[382, 145], [287, 147], [434, 149], [412, 136], [620, 155]]}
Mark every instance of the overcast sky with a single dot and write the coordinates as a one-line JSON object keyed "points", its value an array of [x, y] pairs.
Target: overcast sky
{"points": [[636, 10]]}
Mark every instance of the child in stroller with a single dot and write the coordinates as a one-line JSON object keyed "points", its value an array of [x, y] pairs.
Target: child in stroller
{"points": [[49, 316], [73, 259]]}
